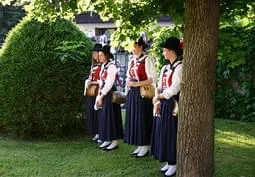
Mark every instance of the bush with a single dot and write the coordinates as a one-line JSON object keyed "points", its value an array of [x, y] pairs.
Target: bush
{"points": [[40, 94], [235, 93]]}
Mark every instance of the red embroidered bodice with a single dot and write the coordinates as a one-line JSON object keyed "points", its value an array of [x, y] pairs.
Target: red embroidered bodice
{"points": [[137, 69], [95, 72], [168, 75], [104, 71]]}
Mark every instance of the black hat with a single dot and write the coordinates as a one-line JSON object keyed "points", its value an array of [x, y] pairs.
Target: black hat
{"points": [[97, 47], [173, 43], [106, 49], [141, 42]]}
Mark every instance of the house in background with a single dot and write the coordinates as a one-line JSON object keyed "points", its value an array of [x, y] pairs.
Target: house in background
{"points": [[95, 28], [91, 24]]}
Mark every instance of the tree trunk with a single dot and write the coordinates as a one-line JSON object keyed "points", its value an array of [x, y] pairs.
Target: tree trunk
{"points": [[195, 146]]}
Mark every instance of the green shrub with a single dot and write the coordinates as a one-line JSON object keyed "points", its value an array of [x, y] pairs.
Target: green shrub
{"points": [[235, 93], [40, 94]]}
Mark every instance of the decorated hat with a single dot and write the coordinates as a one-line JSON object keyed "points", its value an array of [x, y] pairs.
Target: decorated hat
{"points": [[106, 49], [97, 47], [173, 43]]}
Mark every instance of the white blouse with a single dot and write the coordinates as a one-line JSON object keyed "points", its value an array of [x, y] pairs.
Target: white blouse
{"points": [[176, 82], [150, 68]]}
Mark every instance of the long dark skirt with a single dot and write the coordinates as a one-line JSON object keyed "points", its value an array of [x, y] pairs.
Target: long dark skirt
{"points": [[155, 137], [110, 120], [139, 117], [91, 115], [163, 144]]}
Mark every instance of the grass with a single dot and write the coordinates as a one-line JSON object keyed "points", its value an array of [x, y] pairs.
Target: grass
{"points": [[234, 156], [234, 149]]}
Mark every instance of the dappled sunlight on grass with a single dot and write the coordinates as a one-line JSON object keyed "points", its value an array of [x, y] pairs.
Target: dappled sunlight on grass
{"points": [[234, 156], [234, 148], [235, 139]]}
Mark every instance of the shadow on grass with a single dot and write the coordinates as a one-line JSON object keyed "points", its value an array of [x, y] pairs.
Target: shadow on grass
{"points": [[234, 149]]}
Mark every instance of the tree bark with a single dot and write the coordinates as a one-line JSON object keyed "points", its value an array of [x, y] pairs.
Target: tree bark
{"points": [[195, 144]]}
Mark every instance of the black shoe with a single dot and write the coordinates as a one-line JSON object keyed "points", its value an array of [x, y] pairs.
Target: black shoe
{"points": [[147, 153], [104, 146], [133, 153], [162, 171], [101, 147], [99, 141], [94, 140], [116, 147]]}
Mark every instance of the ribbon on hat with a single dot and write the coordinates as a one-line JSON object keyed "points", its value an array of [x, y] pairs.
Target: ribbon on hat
{"points": [[181, 45]]}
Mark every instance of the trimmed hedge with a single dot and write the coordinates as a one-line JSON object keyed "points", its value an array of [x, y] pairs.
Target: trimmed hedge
{"points": [[39, 94]]}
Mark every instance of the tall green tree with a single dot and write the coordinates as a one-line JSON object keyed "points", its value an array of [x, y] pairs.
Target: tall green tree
{"points": [[196, 118]]}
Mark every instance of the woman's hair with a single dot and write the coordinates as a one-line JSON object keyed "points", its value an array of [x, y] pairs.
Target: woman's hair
{"points": [[141, 42], [93, 61], [173, 43], [107, 51]]}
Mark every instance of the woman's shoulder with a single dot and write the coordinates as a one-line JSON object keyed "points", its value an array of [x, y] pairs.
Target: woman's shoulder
{"points": [[112, 64], [164, 67], [148, 58]]}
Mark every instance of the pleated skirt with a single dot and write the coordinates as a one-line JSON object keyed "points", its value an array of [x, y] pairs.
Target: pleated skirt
{"points": [[139, 117], [110, 120], [164, 134], [91, 115]]}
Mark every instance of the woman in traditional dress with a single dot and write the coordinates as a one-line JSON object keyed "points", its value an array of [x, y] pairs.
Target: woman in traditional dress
{"points": [[110, 121], [139, 116], [91, 114], [163, 144]]}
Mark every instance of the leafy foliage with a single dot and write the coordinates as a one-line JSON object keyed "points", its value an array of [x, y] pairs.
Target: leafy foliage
{"points": [[235, 71], [159, 36], [232, 9], [131, 17], [39, 94], [73, 50]]}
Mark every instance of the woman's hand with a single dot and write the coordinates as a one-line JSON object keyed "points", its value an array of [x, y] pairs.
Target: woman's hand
{"points": [[157, 109], [155, 99], [100, 101], [130, 83], [92, 83], [89, 83]]}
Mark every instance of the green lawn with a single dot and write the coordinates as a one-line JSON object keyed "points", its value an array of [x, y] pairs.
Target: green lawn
{"points": [[235, 156]]}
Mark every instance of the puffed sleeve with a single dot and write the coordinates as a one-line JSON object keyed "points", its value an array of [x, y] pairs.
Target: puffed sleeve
{"points": [[87, 81], [128, 69], [176, 83], [150, 70], [90, 73], [110, 79]]}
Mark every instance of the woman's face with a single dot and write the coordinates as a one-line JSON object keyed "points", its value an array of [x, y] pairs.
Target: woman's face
{"points": [[137, 49], [102, 57], [167, 53], [95, 56]]}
